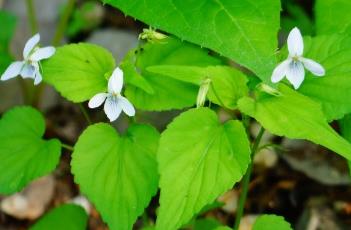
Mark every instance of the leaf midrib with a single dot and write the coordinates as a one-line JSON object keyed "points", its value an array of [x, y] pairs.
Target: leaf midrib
{"points": [[203, 156], [244, 35]]}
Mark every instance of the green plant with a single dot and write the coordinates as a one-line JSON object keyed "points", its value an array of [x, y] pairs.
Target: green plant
{"points": [[197, 158]]}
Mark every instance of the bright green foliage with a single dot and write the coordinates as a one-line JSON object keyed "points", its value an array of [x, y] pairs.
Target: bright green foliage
{"points": [[333, 89], [294, 116], [79, 71], [228, 85], [199, 159], [245, 30], [132, 77], [333, 16], [8, 23], [24, 155], [160, 92], [84, 18], [270, 222], [118, 174], [67, 217]]}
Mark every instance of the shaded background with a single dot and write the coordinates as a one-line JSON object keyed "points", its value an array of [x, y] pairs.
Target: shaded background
{"points": [[305, 183]]}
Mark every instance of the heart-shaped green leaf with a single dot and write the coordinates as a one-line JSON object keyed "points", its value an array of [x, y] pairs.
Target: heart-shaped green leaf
{"points": [[24, 155], [79, 71], [199, 159], [117, 173]]}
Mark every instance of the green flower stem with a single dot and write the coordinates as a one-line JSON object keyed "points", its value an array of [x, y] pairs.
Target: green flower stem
{"points": [[246, 181], [85, 113], [27, 90], [68, 147], [25, 94], [61, 28], [32, 16], [59, 34], [132, 120], [246, 123]]}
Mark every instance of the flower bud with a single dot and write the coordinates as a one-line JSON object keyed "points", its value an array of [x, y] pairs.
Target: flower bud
{"points": [[267, 89], [151, 35], [201, 96]]}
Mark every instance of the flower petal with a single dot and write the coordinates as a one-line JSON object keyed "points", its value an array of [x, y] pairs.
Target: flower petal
{"points": [[31, 43], [42, 53], [28, 71], [97, 100], [126, 106], [115, 83], [12, 71], [37, 75], [295, 74], [315, 68], [280, 71], [112, 109], [38, 78], [295, 42]]}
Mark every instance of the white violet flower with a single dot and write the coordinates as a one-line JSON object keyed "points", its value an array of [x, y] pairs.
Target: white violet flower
{"points": [[293, 66], [30, 66], [114, 101]]}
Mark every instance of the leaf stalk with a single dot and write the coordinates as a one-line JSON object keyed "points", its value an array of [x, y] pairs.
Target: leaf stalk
{"points": [[246, 181]]}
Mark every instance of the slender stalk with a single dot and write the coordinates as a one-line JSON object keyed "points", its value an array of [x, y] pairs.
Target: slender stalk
{"points": [[32, 16], [59, 34], [27, 90], [62, 25], [25, 94], [132, 120], [246, 123], [85, 113], [246, 181], [68, 147]]}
